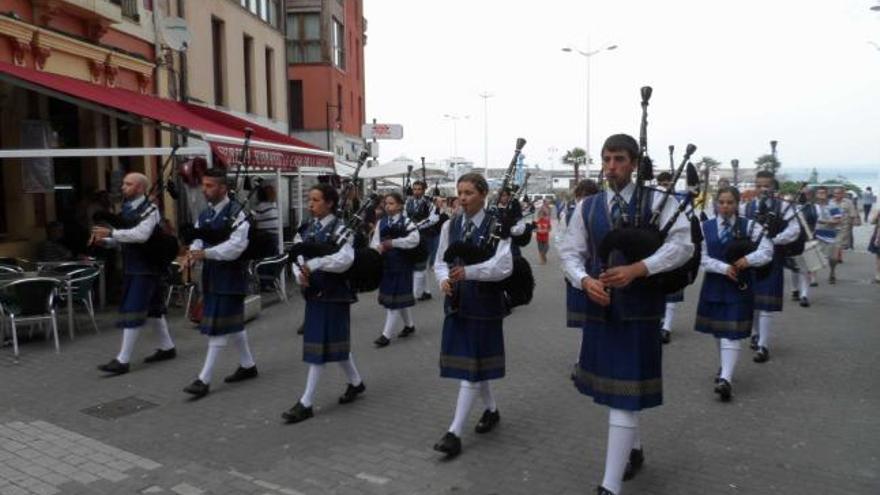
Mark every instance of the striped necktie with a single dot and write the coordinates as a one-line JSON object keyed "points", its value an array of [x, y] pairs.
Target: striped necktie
{"points": [[469, 229], [616, 210], [725, 231]]}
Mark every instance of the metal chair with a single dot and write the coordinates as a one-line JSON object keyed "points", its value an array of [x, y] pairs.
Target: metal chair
{"points": [[4, 268], [67, 267], [30, 300], [176, 282], [269, 270], [82, 283]]}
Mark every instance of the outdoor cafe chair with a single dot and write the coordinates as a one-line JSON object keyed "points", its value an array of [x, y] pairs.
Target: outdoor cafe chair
{"points": [[27, 301], [269, 270], [177, 282], [82, 283]]}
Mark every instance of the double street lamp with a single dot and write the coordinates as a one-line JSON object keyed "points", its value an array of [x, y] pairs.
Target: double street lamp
{"points": [[588, 54], [455, 118]]}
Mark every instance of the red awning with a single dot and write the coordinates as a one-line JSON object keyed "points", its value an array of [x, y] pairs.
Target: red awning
{"points": [[269, 150]]}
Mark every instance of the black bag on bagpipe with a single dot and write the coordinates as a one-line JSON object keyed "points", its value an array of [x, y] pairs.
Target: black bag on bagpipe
{"points": [[261, 243], [160, 249], [417, 254]]}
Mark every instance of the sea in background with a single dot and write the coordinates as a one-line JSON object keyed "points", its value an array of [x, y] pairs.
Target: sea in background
{"points": [[860, 176]]}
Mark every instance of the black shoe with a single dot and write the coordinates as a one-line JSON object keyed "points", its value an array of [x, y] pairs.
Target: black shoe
{"points": [[814, 284], [449, 445], [601, 490], [762, 356], [242, 374], [197, 388], [636, 460], [382, 341], [795, 295], [114, 367], [754, 342], [805, 303], [351, 393], [301, 330], [426, 296], [488, 421], [161, 355], [832, 280], [724, 389], [297, 413], [407, 331], [665, 336]]}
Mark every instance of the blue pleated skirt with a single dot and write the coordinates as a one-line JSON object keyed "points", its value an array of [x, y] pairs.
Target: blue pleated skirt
{"points": [[769, 290], [327, 330], [472, 349], [725, 320], [223, 314], [142, 298], [396, 289], [576, 306]]}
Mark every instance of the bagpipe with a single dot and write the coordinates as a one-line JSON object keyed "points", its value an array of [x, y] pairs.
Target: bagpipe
{"points": [[774, 220], [519, 287], [421, 252], [636, 240], [161, 248], [738, 247], [261, 243], [365, 273]]}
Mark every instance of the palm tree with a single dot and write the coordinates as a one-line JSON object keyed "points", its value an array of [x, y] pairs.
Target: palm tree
{"points": [[575, 156]]}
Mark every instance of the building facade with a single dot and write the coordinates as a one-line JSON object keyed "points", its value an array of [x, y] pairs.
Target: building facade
{"points": [[325, 71]]}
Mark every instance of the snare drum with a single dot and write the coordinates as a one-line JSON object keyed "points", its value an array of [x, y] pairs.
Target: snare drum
{"points": [[813, 258]]}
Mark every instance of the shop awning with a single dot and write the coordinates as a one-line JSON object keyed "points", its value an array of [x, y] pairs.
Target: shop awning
{"points": [[269, 149]]}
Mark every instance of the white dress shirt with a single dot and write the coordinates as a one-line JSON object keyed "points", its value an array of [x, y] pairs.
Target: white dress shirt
{"points": [[338, 262], [140, 232], [495, 269], [410, 241], [231, 248], [759, 257], [676, 250], [791, 232]]}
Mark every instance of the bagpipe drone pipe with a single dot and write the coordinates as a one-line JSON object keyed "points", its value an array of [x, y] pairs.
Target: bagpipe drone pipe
{"points": [[519, 287]]}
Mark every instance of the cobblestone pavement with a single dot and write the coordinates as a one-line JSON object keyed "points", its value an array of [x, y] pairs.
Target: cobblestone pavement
{"points": [[805, 422]]}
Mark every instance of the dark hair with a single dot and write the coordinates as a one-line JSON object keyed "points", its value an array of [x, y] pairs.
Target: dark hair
{"points": [[420, 183], [728, 189], [664, 176], [821, 188], [478, 181], [217, 174], [586, 187], [622, 142], [396, 195], [765, 174], [266, 193], [328, 192]]}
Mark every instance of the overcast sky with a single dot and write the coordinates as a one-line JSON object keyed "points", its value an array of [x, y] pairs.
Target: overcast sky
{"points": [[727, 76]]}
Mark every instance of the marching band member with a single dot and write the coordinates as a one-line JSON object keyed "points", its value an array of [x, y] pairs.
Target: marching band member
{"points": [[766, 209], [421, 211], [726, 307], [224, 282], [392, 235], [328, 298], [142, 290], [472, 347], [620, 362], [800, 279], [664, 180]]}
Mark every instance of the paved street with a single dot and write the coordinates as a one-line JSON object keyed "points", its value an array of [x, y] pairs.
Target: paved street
{"points": [[806, 422]]}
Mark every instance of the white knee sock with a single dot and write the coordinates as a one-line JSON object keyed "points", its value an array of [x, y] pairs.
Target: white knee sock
{"points": [[669, 317], [418, 283], [764, 326], [407, 317], [623, 427], [488, 397], [466, 395], [351, 370], [756, 323], [129, 337], [804, 284], [245, 359], [215, 347], [161, 327], [311, 384], [391, 316], [729, 355], [795, 280]]}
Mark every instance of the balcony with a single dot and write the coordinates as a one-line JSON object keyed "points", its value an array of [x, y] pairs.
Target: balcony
{"points": [[129, 9]]}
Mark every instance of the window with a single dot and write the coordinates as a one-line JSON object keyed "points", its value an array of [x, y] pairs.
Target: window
{"points": [[270, 81], [296, 105], [303, 38], [219, 56], [339, 113], [338, 44], [248, 74]]}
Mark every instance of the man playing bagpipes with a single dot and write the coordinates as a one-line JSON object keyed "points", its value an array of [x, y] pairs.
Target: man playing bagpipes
{"points": [[620, 361], [420, 210], [778, 217], [143, 298], [224, 280]]}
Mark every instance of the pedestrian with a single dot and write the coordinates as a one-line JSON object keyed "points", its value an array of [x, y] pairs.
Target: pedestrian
{"points": [[472, 345], [224, 282], [265, 214], [874, 241], [727, 298], [808, 215], [393, 237], [869, 199], [777, 218], [841, 209], [328, 296], [542, 234], [142, 292], [421, 212], [620, 361]]}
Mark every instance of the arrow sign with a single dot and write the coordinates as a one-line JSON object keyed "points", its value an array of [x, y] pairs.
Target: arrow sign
{"points": [[382, 131]]}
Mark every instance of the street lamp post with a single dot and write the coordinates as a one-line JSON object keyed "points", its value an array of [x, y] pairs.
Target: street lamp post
{"points": [[734, 164], [588, 54], [485, 95], [455, 118]]}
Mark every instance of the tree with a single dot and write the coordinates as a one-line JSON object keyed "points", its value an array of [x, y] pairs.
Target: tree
{"points": [[575, 157], [708, 161], [814, 176], [768, 162]]}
